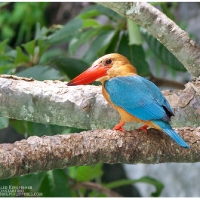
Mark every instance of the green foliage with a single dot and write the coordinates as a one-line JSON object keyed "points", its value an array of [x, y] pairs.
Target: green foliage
{"points": [[66, 33], [42, 59], [134, 33], [157, 184], [4, 122], [86, 173], [99, 45], [22, 18], [31, 128], [135, 54], [41, 73], [70, 66], [162, 52]]}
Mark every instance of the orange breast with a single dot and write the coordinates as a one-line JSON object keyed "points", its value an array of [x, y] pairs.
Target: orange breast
{"points": [[125, 116]]}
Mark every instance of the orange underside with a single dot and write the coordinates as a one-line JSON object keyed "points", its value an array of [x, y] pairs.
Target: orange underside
{"points": [[125, 116]]}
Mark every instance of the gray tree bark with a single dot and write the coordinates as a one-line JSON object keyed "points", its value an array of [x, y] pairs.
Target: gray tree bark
{"points": [[52, 102], [98, 146]]}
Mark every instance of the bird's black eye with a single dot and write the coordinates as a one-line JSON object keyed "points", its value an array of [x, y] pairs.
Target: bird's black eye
{"points": [[108, 61]]}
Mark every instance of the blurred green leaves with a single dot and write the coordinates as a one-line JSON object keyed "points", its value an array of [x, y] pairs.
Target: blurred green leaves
{"points": [[41, 73], [20, 21], [67, 32], [4, 122], [86, 173], [99, 45], [70, 66], [3, 45], [146, 179], [134, 33], [162, 52]]}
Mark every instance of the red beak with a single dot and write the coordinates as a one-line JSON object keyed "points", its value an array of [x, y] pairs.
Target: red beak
{"points": [[90, 75]]}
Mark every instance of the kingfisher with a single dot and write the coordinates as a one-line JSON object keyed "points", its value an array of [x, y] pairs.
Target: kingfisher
{"points": [[134, 97]]}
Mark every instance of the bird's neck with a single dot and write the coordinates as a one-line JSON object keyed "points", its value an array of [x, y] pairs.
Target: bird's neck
{"points": [[123, 70]]}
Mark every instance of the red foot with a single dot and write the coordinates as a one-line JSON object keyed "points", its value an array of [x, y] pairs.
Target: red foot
{"points": [[143, 128], [119, 126]]}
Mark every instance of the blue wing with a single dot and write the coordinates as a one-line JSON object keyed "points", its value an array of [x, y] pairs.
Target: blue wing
{"points": [[139, 97], [143, 99]]}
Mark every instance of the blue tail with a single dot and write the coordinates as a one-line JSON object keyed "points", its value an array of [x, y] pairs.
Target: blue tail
{"points": [[168, 129]]}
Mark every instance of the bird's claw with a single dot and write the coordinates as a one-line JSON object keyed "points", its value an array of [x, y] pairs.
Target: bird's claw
{"points": [[119, 126], [143, 128]]}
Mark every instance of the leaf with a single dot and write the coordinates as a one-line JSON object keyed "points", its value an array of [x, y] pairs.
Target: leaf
{"points": [[167, 11], [37, 129], [42, 47], [29, 47], [90, 23], [6, 68], [4, 185], [21, 58], [67, 32], [104, 10], [6, 64], [81, 38], [162, 52], [60, 185], [134, 33], [158, 185], [51, 54], [70, 66], [45, 187], [41, 73], [32, 128], [40, 33], [55, 184], [4, 122], [3, 45], [19, 126], [99, 45], [43, 129], [135, 54], [113, 44], [86, 173], [34, 180], [88, 14]]}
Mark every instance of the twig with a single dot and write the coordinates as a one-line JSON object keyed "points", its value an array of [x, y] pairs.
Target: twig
{"points": [[97, 187], [161, 82]]}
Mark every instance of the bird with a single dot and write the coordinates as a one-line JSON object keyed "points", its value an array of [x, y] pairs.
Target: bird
{"points": [[134, 97]]}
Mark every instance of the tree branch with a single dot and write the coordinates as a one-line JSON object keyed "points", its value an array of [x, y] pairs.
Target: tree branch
{"points": [[84, 107], [161, 82], [165, 30], [97, 187], [99, 146], [52, 102]]}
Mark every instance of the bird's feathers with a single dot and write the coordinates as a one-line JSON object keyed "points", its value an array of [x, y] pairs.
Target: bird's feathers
{"points": [[139, 97], [168, 129], [142, 99]]}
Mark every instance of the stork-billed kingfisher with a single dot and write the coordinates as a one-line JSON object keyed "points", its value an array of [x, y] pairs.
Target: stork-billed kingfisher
{"points": [[134, 97]]}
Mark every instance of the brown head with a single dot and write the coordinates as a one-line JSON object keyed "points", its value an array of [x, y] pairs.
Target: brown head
{"points": [[104, 68]]}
